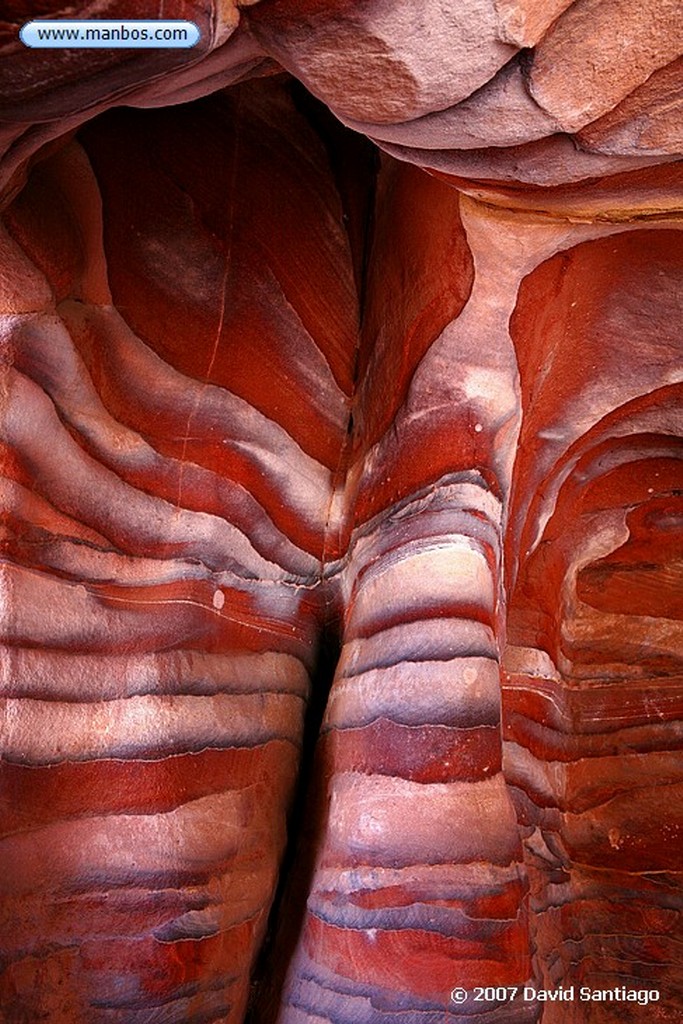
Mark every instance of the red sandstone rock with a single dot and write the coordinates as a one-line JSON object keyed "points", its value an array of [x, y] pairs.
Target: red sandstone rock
{"points": [[384, 62], [525, 22], [597, 53], [45, 84], [648, 120], [429, 80], [147, 535], [250, 396]]}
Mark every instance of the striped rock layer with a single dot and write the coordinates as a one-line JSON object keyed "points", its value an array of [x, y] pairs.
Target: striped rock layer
{"points": [[265, 395]]}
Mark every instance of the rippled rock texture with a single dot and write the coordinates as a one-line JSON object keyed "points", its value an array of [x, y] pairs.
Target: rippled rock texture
{"points": [[341, 516]]}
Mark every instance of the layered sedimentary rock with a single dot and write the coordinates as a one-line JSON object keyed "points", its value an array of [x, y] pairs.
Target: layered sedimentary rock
{"points": [[596, 772], [265, 394], [169, 476]]}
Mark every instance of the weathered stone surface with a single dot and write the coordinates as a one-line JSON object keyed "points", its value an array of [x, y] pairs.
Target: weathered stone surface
{"points": [[597, 53], [36, 85], [621, 198], [591, 739], [501, 113], [280, 414], [434, 79], [150, 717], [384, 62], [648, 120], [548, 162], [525, 22]]}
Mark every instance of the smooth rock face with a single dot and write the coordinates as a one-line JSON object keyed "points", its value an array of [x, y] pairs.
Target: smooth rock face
{"points": [[282, 417], [165, 509]]}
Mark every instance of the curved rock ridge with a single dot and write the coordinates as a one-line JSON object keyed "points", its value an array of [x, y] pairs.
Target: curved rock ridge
{"points": [[501, 91], [267, 393], [552, 400], [164, 510], [592, 688]]}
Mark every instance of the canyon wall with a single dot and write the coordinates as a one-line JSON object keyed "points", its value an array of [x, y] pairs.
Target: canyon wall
{"points": [[340, 675]]}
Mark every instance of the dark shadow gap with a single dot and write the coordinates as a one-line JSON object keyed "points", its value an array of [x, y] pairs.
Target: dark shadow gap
{"points": [[289, 905]]}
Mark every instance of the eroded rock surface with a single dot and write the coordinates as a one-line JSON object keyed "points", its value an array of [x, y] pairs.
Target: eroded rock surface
{"points": [[265, 394]]}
